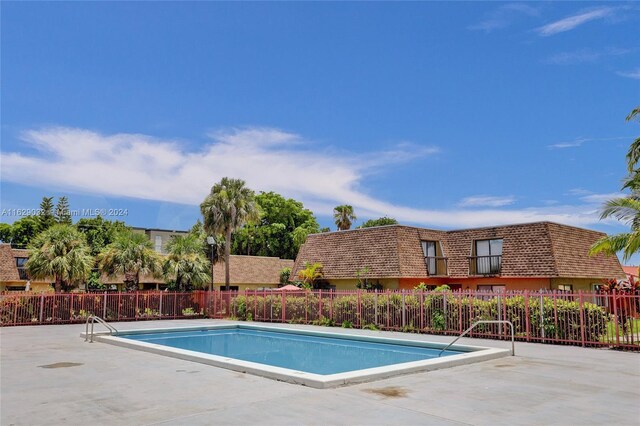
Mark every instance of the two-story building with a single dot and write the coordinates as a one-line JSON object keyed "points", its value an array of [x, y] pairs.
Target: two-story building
{"points": [[532, 256]]}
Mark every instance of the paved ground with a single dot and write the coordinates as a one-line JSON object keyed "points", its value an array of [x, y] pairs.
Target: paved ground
{"points": [[104, 384]]}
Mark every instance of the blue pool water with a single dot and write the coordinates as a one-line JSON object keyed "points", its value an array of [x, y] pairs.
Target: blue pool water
{"points": [[312, 354]]}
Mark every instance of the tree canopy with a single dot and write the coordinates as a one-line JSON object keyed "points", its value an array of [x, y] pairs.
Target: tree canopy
{"points": [[99, 232], [382, 221], [281, 229]]}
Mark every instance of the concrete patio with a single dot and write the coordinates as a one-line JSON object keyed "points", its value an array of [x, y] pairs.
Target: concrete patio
{"points": [[49, 375]]}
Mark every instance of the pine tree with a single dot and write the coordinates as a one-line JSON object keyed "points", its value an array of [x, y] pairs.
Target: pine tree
{"points": [[63, 214], [45, 215]]}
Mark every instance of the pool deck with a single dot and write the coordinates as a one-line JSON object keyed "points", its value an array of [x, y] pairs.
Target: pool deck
{"points": [[104, 384]]}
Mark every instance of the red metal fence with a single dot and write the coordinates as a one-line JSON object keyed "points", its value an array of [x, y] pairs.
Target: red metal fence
{"points": [[64, 308], [585, 319]]}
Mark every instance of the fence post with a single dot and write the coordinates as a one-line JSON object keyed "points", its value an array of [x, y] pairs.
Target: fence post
{"points": [[582, 325], [320, 304], [388, 314], [359, 310], [375, 315], [615, 317], [500, 330], [444, 310], [41, 307], [136, 312], [284, 307], [542, 317], [71, 307], [460, 312], [526, 315], [104, 306], [555, 313], [404, 312], [421, 310], [160, 307], [119, 304], [330, 304]]}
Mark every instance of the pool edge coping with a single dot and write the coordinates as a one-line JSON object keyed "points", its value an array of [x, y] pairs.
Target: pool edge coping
{"points": [[471, 355]]}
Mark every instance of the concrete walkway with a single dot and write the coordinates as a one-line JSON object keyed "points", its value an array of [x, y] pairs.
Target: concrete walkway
{"points": [[48, 375]]}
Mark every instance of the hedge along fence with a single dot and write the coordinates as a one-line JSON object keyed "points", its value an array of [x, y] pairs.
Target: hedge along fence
{"points": [[578, 319]]}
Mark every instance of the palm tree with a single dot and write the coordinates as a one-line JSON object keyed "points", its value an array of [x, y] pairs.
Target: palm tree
{"points": [[229, 206], [633, 155], [625, 209], [310, 274], [186, 262], [130, 254], [343, 217], [60, 252]]}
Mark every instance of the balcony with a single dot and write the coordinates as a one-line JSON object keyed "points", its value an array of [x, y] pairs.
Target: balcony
{"points": [[485, 265], [22, 273], [436, 265]]}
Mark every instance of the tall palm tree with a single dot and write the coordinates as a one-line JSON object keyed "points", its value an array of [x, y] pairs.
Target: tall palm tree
{"points": [[229, 206], [186, 262], [625, 209], [60, 252], [130, 254], [343, 217]]}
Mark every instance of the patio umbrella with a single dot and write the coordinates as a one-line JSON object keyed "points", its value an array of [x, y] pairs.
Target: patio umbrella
{"points": [[289, 287]]}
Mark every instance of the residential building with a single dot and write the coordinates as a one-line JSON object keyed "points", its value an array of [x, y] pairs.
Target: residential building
{"points": [[159, 237], [532, 256], [632, 273], [13, 275], [250, 272]]}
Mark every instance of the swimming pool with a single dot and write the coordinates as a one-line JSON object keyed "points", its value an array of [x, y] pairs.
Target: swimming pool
{"points": [[311, 354], [314, 358]]}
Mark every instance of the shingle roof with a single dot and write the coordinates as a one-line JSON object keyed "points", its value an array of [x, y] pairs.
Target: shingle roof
{"points": [[8, 268], [252, 270], [541, 249]]}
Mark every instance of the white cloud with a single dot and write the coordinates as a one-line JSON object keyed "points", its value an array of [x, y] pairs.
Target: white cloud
{"points": [[503, 16], [574, 21], [601, 198], [578, 142], [486, 201], [630, 74], [144, 167], [585, 55]]}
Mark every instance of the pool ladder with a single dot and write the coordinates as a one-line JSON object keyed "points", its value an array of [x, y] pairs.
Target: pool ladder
{"points": [[93, 319], [513, 346]]}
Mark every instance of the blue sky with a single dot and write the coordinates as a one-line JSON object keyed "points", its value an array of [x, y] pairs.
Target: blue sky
{"points": [[446, 115]]}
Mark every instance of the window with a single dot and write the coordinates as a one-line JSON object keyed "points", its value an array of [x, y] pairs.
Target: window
{"points": [[158, 241], [565, 287], [488, 256], [20, 261], [435, 265], [491, 287]]}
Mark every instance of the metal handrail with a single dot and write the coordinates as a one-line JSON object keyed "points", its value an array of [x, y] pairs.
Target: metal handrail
{"points": [[93, 319], [513, 346]]}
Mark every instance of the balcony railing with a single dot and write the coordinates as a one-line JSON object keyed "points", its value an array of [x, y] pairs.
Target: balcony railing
{"points": [[22, 273], [436, 265], [485, 265]]}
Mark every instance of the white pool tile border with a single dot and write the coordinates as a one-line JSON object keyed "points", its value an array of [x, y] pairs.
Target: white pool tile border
{"points": [[471, 354]]}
